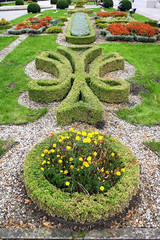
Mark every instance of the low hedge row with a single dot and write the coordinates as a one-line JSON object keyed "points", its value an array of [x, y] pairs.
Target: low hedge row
{"points": [[80, 207], [5, 26], [83, 39], [85, 10], [81, 104], [128, 38]]}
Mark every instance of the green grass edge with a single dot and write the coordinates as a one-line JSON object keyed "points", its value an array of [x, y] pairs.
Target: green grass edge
{"points": [[81, 208]]}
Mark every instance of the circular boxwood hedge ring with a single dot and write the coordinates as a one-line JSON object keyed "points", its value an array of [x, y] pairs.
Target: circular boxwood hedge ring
{"points": [[81, 208]]}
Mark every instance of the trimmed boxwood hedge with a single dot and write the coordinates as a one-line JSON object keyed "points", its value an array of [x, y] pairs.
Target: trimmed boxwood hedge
{"points": [[85, 10], [81, 208], [83, 39], [81, 103]]}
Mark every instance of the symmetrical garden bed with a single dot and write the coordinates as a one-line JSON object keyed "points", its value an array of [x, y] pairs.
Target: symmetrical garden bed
{"points": [[79, 207], [80, 39], [83, 88]]}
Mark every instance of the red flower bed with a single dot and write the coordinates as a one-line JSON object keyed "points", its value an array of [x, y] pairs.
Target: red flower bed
{"points": [[111, 14], [39, 25], [32, 19], [45, 19], [138, 28], [22, 26]]}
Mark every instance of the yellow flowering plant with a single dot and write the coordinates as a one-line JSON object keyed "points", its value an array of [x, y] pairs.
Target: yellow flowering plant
{"points": [[81, 161]]}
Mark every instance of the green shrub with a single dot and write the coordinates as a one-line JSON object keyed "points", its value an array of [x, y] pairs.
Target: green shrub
{"points": [[102, 25], [54, 1], [108, 3], [64, 19], [62, 4], [61, 24], [19, 2], [54, 29], [125, 5], [33, 8], [34, 0], [85, 10]]}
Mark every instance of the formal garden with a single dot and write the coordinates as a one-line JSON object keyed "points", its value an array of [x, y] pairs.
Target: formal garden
{"points": [[80, 117]]}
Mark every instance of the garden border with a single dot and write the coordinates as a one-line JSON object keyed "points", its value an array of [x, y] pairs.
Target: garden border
{"points": [[82, 39], [81, 208]]}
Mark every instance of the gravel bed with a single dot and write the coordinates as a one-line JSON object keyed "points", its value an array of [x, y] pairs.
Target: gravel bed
{"points": [[17, 210]]}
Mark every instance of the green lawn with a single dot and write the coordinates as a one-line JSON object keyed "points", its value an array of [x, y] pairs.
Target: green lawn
{"points": [[5, 41], [5, 145], [12, 71], [146, 59], [155, 146]]}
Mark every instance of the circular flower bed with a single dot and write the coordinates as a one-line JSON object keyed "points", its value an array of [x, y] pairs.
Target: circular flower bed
{"points": [[81, 176]]}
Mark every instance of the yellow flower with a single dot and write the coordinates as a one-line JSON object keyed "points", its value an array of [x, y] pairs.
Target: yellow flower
{"points": [[58, 156], [42, 155], [112, 154], [85, 164], [90, 135], [61, 171], [71, 130], [48, 162], [78, 133], [118, 173], [67, 137], [42, 168], [95, 153], [99, 179], [100, 138], [60, 140], [84, 134], [77, 138], [96, 133], [122, 169], [101, 188], [54, 145], [81, 159], [102, 169], [85, 140], [68, 147], [95, 142], [89, 158], [60, 161], [65, 172], [52, 133], [67, 183], [119, 155], [70, 159], [52, 150], [82, 167], [43, 162], [45, 151], [48, 159], [88, 140], [114, 139], [52, 165], [107, 172], [71, 166], [77, 169]]}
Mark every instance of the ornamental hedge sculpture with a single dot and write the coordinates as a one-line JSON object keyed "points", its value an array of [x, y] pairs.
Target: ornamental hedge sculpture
{"points": [[80, 89]]}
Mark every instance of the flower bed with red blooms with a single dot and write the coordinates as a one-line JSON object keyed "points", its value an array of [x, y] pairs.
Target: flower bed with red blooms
{"points": [[138, 28], [112, 14], [35, 19], [39, 25], [22, 26]]}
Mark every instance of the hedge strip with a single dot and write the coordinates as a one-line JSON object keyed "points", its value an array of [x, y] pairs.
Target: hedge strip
{"points": [[83, 39]]}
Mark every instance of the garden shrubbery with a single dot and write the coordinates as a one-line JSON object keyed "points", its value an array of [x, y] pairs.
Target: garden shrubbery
{"points": [[62, 4], [111, 14], [19, 2], [124, 5], [33, 8], [54, 1], [54, 29], [108, 3]]}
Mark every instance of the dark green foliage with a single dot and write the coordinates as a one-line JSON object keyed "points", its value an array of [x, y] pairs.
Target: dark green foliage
{"points": [[54, 1], [80, 207], [33, 8], [83, 39], [19, 2], [108, 3], [34, 0], [62, 4], [125, 5]]}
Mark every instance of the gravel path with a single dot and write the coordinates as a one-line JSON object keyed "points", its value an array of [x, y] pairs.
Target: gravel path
{"points": [[18, 211]]}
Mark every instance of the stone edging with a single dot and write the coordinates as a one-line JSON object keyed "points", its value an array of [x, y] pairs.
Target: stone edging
{"points": [[66, 233]]}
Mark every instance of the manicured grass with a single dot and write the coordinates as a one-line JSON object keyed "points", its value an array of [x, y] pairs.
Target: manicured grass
{"points": [[5, 41], [1, 31], [60, 13], [146, 58], [5, 145], [139, 17], [155, 146], [12, 71], [23, 18]]}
